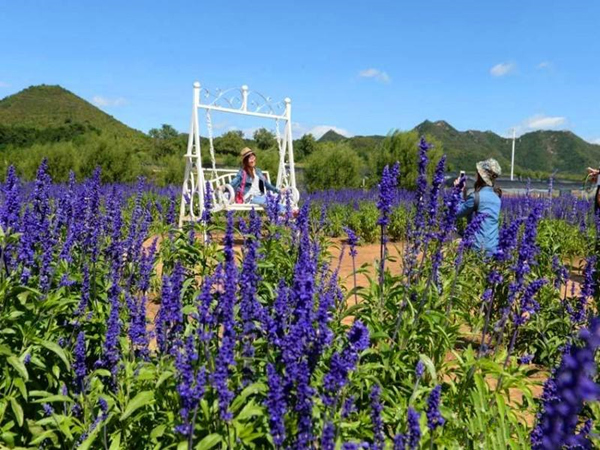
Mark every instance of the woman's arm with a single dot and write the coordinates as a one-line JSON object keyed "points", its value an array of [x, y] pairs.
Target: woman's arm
{"points": [[466, 207], [235, 183], [268, 185]]}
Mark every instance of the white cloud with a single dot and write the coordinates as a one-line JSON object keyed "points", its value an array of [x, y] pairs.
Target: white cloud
{"points": [[104, 101], [541, 122], [499, 70], [4, 85], [376, 74], [594, 141], [538, 122], [544, 65]]}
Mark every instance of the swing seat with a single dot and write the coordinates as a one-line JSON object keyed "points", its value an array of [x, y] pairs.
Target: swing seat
{"points": [[223, 194]]}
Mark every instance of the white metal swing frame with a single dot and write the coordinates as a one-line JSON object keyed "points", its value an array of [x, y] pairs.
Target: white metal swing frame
{"points": [[236, 101]]}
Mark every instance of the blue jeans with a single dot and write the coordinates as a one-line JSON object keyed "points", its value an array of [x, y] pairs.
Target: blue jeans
{"points": [[262, 201]]}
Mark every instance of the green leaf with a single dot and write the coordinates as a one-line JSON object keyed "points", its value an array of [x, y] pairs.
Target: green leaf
{"points": [[54, 398], [116, 441], [209, 441], [17, 411], [250, 410], [20, 384], [165, 375], [183, 445], [158, 432], [18, 366], [90, 439], [48, 434], [55, 348], [141, 399]]}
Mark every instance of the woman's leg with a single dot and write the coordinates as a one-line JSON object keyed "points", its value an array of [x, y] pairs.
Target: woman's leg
{"points": [[259, 200]]}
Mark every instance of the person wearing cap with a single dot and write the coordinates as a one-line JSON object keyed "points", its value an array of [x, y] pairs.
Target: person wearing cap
{"points": [[485, 199], [593, 175], [250, 184]]}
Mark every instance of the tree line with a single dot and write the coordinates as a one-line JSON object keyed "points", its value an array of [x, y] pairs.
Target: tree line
{"points": [[158, 155]]}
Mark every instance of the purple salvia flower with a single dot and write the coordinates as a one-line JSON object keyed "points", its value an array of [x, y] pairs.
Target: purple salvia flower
{"points": [[565, 393], [206, 213], [507, 240], [419, 370], [47, 409], [225, 356], [434, 418], [400, 441], [276, 406], [304, 407], [344, 362], [251, 311], [171, 211], [418, 225], [169, 319], [414, 429], [376, 420], [111, 352], [79, 365], [387, 193], [191, 384], [272, 207], [352, 241], [525, 359], [328, 437], [434, 195], [11, 206], [85, 293], [529, 306], [349, 407], [587, 290], [560, 271]]}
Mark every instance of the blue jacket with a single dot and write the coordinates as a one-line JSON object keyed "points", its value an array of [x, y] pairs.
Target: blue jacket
{"points": [[489, 204], [237, 181]]}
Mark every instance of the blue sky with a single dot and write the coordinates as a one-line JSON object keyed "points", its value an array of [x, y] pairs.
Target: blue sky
{"points": [[364, 67]]}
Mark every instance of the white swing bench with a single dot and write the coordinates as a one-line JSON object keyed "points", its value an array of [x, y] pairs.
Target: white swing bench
{"points": [[222, 198]]}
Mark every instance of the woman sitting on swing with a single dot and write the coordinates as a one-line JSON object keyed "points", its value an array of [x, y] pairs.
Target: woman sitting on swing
{"points": [[250, 183]]}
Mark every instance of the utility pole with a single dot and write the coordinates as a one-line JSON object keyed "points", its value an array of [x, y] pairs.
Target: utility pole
{"points": [[512, 159]]}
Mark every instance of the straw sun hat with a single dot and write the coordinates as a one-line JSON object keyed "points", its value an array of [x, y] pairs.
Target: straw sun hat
{"points": [[246, 151]]}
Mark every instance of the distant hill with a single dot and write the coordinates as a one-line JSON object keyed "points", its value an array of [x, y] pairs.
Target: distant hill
{"points": [[51, 115], [53, 106], [332, 136], [541, 151], [46, 114], [537, 151]]}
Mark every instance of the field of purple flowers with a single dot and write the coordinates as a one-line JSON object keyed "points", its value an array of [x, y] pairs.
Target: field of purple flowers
{"points": [[258, 344]]}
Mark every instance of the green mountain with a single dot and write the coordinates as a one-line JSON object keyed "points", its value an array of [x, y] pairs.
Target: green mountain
{"points": [[45, 106], [537, 151], [332, 136], [72, 134]]}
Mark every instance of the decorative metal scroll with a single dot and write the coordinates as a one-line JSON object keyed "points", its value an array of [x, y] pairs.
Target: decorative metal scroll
{"points": [[242, 99]]}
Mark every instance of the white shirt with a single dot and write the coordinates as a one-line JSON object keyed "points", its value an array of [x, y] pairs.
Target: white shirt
{"points": [[254, 188]]}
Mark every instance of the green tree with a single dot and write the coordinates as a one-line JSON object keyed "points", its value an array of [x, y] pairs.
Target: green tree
{"points": [[229, 143], [264, 139], [305, 146], [403, 146], [164, 132], [334, 166]]}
